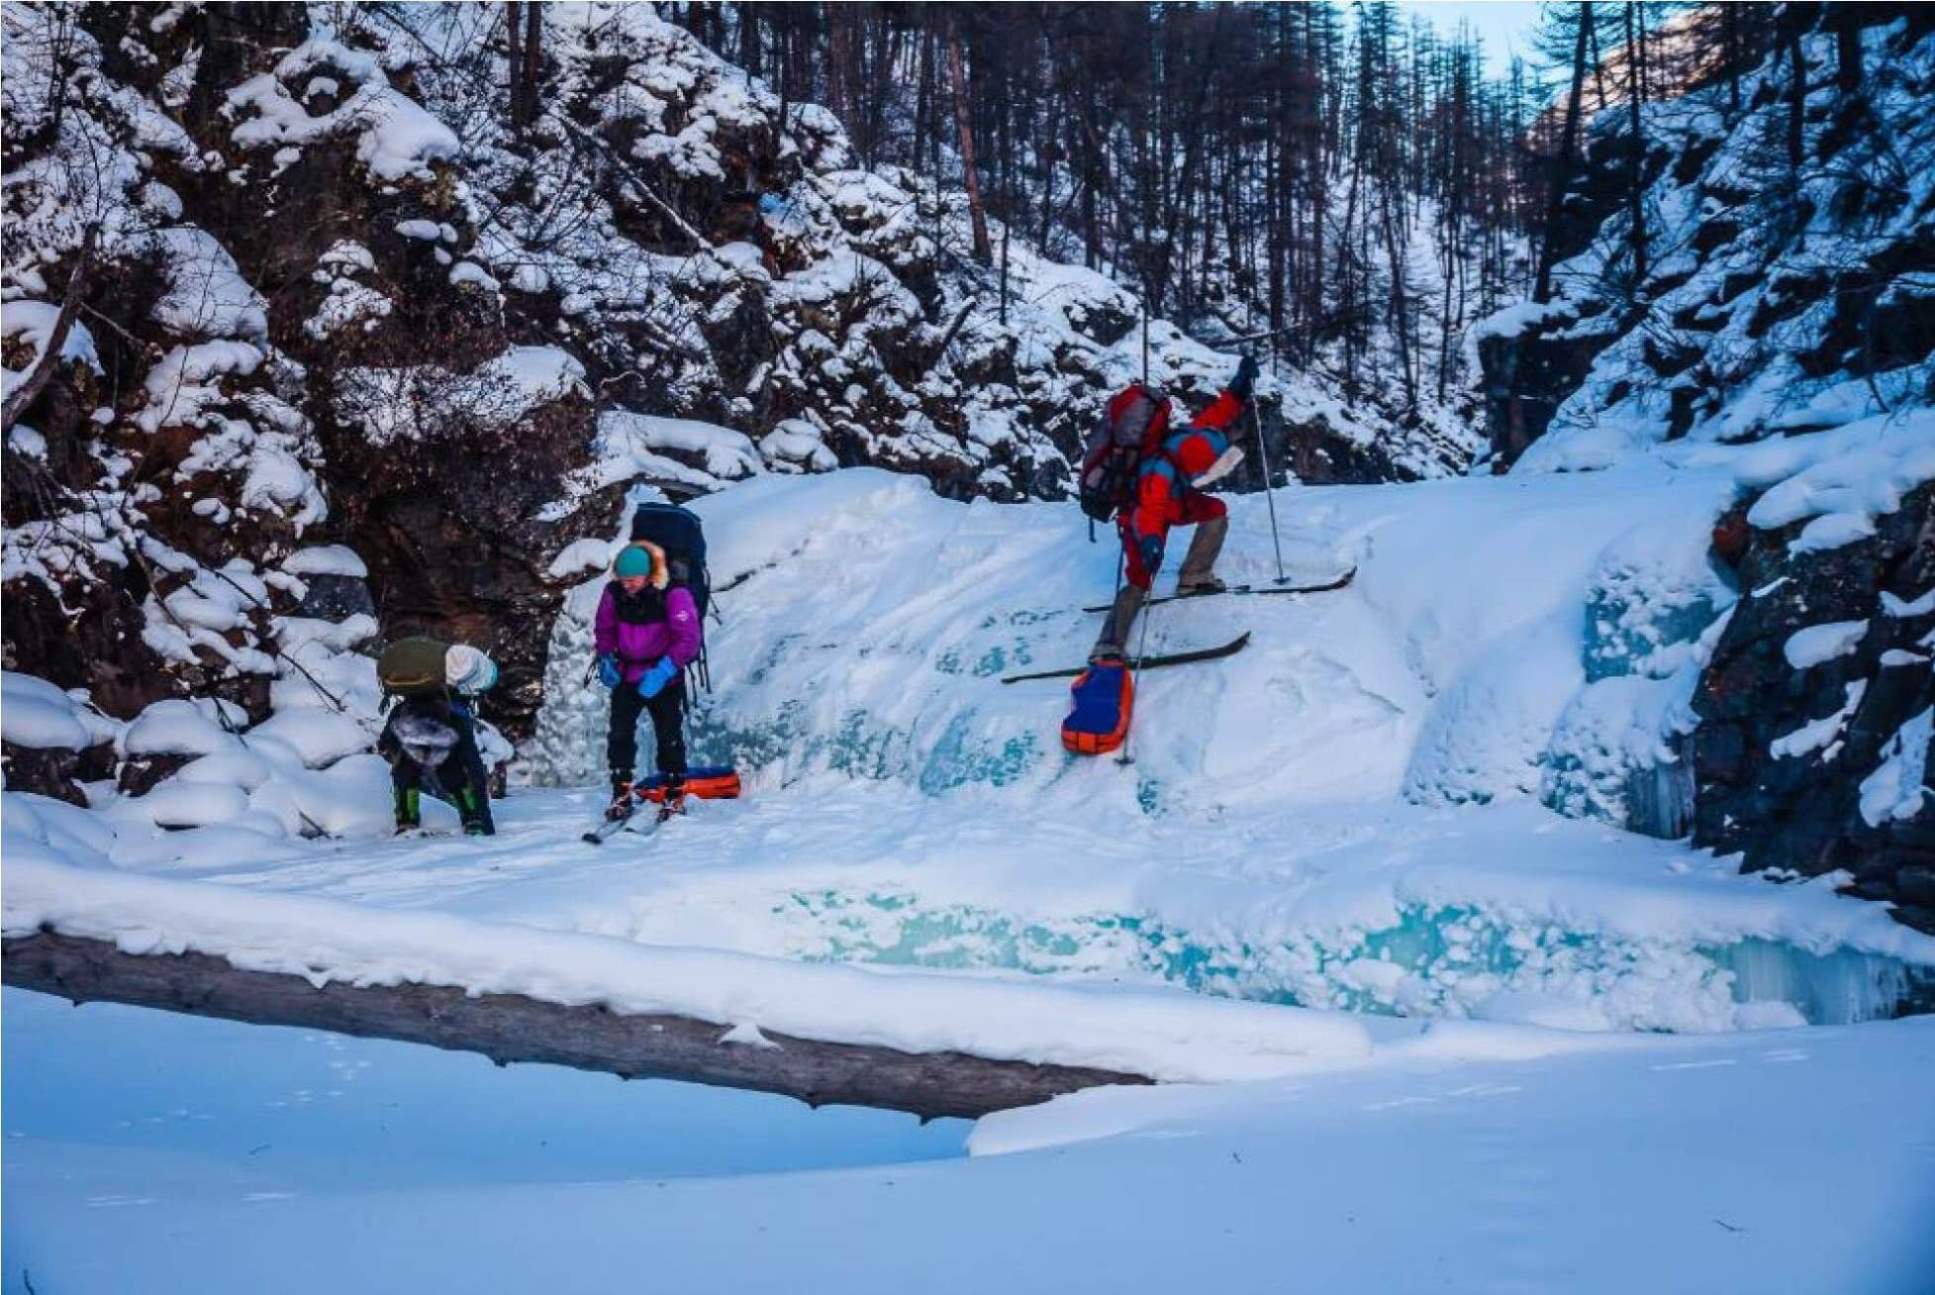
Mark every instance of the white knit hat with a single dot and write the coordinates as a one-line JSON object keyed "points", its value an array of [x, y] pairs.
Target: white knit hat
{"points": [[468, 670]]}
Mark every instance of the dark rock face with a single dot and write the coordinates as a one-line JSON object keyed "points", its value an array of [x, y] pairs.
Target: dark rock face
{"points": [[451, 534], [143, 773], [1527, 378], [1801, 812], [335, 598], [54, 771]]}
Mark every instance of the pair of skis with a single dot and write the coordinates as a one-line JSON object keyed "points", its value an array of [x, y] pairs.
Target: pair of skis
{"points": [[1230, 648], [613, 826]]}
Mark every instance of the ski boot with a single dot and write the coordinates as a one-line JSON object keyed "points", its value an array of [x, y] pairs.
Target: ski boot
{"points": [[622, 803], [473, 807], [408, 804], [674, 799]]}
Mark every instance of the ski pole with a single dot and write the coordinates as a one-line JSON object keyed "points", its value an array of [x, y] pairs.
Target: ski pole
{"points": [[1269, 495], [1135, 683]]}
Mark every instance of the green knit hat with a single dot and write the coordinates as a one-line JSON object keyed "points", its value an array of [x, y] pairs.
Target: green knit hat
{"points": [[632, 561]]}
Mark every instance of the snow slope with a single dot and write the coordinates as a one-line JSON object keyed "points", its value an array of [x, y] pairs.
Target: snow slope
{"points": [[1405, 797]]}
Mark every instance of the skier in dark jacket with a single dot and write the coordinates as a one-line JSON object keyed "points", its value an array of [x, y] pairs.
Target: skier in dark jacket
{"points": [[645, 634], [1169, 493], [430, 740]]}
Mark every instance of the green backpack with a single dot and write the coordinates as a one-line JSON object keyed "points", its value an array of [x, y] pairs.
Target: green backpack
{"points": [[412, 667]]}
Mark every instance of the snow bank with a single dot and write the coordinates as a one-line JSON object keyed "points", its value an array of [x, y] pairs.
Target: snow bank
{"points": [[1170, 1036], [1840, 481], [34, 713]]}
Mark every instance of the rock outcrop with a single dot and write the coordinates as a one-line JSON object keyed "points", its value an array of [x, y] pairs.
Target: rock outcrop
{"points": [[1814, 745], [1786, 300]]}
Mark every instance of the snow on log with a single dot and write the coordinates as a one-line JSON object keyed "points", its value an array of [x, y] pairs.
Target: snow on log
{"points": [[513, 1027]]}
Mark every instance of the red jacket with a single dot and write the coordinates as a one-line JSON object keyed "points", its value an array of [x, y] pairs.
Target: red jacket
{"points": [[1162, 483]]}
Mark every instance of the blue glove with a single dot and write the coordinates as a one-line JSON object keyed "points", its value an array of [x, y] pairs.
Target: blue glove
{"points": [[1149, 548], [608, 672], [654, 680], [1245, 380]]}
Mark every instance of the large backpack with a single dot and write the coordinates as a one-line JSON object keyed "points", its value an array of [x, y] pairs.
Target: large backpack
{"points": [[412, 667], [678, 531], [1131, 427]]}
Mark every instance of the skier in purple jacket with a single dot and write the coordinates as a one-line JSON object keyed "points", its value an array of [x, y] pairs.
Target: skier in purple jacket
{"points": [[647, 632]]}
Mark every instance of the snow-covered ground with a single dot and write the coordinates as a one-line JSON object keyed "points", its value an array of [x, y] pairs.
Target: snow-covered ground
{"points": [[1408, 799], [160, 1153]]}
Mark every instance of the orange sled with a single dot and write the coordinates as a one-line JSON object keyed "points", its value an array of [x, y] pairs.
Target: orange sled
{"points": [[710, 782]]}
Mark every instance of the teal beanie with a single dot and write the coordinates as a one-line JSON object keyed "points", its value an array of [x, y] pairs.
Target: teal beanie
{"points": [[633, 561]]}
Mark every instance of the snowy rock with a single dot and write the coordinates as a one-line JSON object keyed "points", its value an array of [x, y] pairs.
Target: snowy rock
{"points": [[326, 560], [320, 736], [183, 728]]}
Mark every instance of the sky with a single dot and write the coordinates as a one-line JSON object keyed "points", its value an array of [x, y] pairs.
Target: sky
{"points": [[1505, 25]]}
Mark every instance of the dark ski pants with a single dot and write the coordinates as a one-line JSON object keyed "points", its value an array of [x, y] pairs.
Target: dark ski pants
{"points": [[460, 779], [668, 729]]}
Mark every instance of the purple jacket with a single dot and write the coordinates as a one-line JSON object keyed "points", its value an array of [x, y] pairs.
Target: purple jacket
{"points": [[640, 645]]}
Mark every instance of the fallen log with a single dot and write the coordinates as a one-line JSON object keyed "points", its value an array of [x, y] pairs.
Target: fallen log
{"points": [[513, 1027]]}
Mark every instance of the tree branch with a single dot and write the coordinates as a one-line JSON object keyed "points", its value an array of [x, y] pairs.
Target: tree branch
{"points": [[25, 394]]}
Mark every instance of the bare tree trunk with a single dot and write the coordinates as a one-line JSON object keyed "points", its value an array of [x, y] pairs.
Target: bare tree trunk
{"points": [[1636, 172], [533, 57], [839, 70], [511, 1027], [964, 123], [1562, 165], [514, 39], [748, 39], [1846, 21], [24, 395], [1797, 97]]}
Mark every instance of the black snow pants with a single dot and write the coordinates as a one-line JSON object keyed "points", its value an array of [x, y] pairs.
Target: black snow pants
{"points": [[668, 729], [458, 778]]}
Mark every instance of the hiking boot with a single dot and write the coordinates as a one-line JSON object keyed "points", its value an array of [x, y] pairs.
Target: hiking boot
{"points": [[480, 827], [408, 804], [621, 801], [674, 802], [1197, 588]]}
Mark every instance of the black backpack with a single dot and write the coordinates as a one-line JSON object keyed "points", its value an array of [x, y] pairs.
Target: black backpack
{"points": [[678, 531], [1130, 428]]}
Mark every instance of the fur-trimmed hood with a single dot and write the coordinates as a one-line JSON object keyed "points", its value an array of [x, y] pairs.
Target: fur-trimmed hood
{"points": [[661, 572]]}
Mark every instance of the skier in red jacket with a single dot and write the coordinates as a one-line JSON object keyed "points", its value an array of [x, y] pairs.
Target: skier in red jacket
{"points": [[1168, 492]]}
